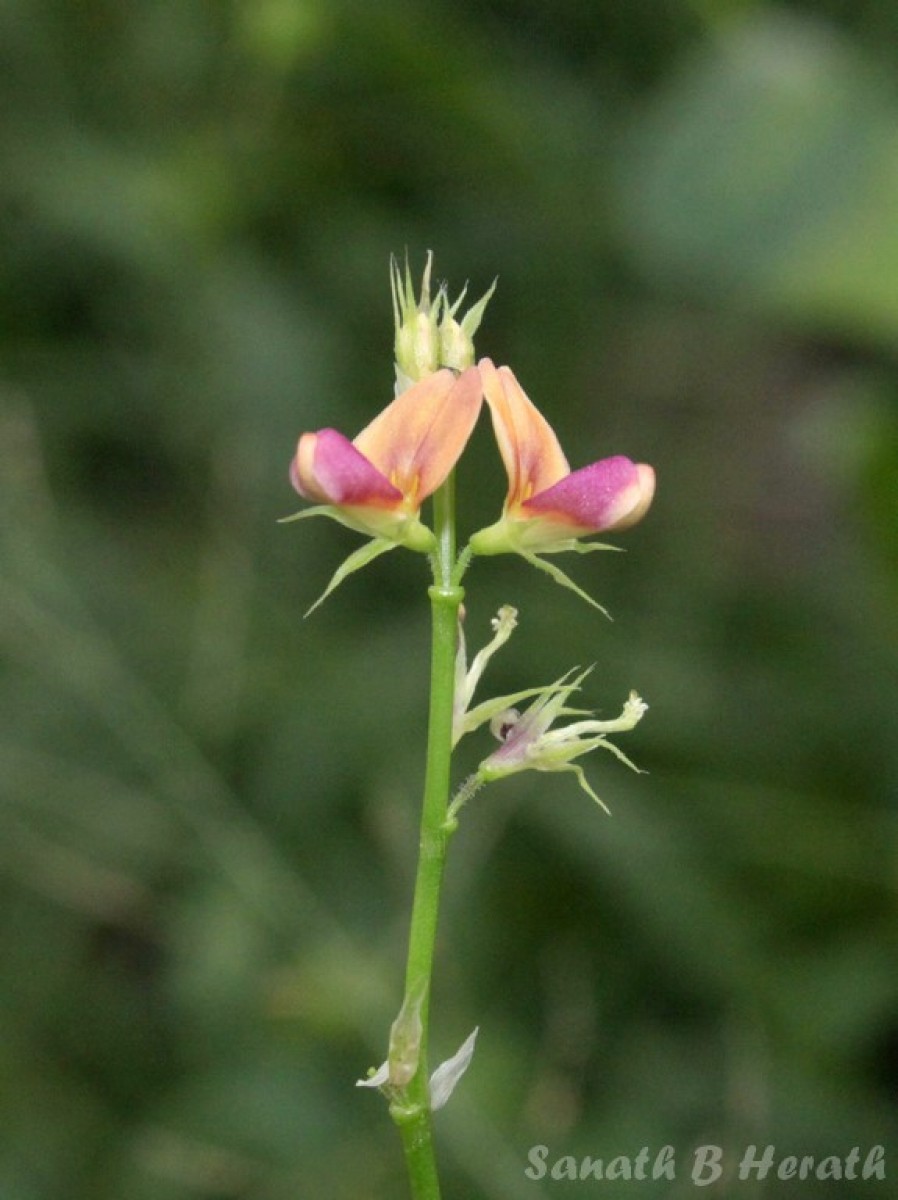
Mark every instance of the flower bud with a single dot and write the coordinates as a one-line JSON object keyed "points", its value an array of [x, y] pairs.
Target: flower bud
{"points": [[417, 343], [429, 335]]}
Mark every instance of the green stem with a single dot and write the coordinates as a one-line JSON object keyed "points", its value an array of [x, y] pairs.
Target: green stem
{"points": [[444, 528], [413, 1116]]}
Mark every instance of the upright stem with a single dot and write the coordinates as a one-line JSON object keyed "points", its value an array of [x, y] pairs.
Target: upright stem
{"points": [[444, 528], [413, 1116]]}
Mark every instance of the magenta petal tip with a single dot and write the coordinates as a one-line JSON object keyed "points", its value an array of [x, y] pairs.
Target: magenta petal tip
{"points": [[609, 494], [328, 468]]}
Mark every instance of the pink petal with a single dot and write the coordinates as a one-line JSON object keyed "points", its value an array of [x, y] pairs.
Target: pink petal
{"points": [[328, 468], [611, 493]]}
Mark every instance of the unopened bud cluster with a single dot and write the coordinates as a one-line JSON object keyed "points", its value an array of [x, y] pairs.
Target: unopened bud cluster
{"points": [[429, 335]]}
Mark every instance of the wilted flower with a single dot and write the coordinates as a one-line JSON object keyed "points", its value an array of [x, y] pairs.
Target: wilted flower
{"points": [[443, 1081], [530, 744], [466, 719], [466, 679]]}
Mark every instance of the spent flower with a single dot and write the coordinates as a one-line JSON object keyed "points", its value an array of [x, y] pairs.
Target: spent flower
{"points": [[466, 719], [442, 1082], [529, 743]]}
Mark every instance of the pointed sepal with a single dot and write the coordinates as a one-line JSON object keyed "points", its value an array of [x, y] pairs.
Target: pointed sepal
{"points": [[355, 562], [561, 578]]}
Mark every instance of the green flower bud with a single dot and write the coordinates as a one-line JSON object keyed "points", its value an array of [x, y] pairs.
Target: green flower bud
{"points": [[457, 337], [417, 343], [428, 332]]}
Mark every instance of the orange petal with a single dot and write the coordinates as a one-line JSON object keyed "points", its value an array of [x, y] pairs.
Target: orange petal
{"points": [[417, 440], [533, 458]]}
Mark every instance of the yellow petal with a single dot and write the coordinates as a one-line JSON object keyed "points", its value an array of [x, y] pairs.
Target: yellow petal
{"points": [[533, 458], [417, 440]]}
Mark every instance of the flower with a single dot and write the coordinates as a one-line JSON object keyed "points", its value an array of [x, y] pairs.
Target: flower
{"points": [[530, 744], [548, 506], [377, 482]]}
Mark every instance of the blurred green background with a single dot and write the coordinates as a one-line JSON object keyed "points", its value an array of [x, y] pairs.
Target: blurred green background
{"points": [[208, 819]]}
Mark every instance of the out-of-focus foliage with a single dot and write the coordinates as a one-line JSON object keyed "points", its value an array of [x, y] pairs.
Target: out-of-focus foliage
{"points": [[208, 806]]}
